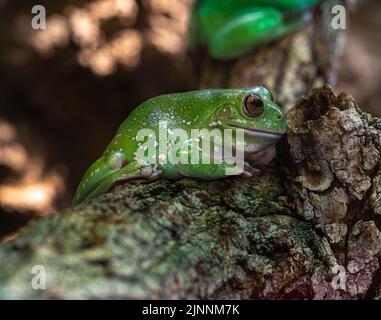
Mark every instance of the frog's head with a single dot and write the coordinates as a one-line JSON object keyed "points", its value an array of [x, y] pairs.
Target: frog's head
{"points": [[254, 111]]}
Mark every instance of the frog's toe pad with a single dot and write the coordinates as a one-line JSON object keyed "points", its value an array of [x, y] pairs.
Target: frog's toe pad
{"points": [[150, 173], [250, 172], [246, 175], [146, 171]]}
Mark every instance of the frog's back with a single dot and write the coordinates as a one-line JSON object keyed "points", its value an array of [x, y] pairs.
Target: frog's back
{"points": [[179, 110], [173, 108]]}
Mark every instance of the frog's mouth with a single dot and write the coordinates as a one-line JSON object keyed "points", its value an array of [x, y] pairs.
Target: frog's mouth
{"points": [[261, 133]]}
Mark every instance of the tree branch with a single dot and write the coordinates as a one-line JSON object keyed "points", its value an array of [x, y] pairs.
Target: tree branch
{"points": [[275, 236]]}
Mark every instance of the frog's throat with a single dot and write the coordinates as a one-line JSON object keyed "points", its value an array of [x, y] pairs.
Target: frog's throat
{"points": [[261, 133]]}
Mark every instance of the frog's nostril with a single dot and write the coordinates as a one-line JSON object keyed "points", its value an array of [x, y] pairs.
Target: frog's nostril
{"points": [[279, 116]]}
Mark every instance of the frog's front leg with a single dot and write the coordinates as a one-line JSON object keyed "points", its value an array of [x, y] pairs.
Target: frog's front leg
{"points": [[215, 171], [247, 30], [201, 169]]}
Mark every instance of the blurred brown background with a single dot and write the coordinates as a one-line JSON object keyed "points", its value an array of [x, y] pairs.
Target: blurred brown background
{"points": [[65, 90]]}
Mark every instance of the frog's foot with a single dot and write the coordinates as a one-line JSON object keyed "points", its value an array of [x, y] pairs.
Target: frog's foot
{"points": [[131, 171], [250, 171], [150, 172]]}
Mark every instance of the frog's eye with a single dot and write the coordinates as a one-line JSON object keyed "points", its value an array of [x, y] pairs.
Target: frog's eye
{"points": [[253, 105]]}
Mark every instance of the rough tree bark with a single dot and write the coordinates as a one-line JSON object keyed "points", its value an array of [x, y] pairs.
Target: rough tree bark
{"points": [[308, 227]]}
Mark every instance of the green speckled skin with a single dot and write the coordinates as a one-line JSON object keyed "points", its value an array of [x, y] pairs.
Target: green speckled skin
{"points": [[230, 28], [214, 108]]}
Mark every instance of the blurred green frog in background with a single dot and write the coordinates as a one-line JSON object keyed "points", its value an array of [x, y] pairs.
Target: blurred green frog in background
{"points": [[230, 28]]}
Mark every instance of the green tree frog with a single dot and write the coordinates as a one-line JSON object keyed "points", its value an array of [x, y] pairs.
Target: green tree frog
{"points": [[230, 28], [171, 130]]}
